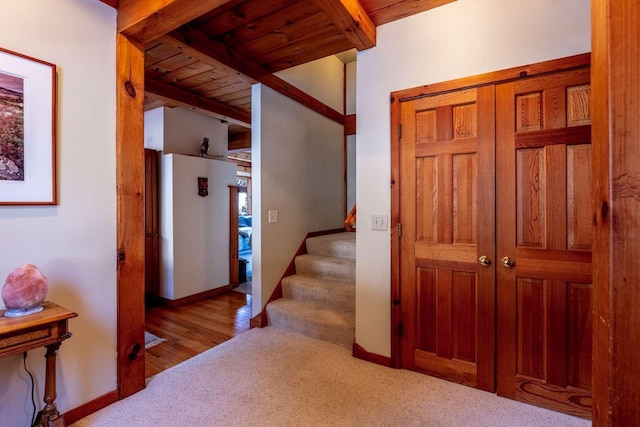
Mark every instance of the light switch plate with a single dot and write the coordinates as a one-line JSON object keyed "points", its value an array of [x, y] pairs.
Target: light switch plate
{"points": [[379, 222], [273, 216]]}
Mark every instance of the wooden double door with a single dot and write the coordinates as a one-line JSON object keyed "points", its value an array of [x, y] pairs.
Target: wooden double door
{"points": [[495, 245]]}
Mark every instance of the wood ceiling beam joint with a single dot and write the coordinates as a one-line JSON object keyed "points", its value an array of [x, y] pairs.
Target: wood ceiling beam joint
{"points": [[195, 40], [146, 20], [352, 20]]}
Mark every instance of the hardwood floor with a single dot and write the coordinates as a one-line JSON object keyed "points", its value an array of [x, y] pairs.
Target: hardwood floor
{"points": [[193, 328]]}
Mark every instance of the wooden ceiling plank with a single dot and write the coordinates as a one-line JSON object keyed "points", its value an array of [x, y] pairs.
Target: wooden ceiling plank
{"points": [[146, 20], [301, 52], [398, 9], [235, 96], [242, 15], [180, 45], [224, 90], [272, 24], [196, 40], [194, 101], [159, 53], [352, 21], [242, 103], [186, 72], [174, 63], [217, 12], [201, 79], [286, 34]]}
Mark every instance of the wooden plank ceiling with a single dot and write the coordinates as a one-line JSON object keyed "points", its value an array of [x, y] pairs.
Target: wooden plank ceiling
{"points": [[210, 62]]}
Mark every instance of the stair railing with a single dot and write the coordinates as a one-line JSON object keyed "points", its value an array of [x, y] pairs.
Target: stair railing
{"points": [[350, 221]]}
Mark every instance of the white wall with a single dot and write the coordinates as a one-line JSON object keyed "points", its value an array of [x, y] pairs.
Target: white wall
{"points": [[460, 39], [323, 79], [73, 243], [194, 230], [179, 130], [298, 171]]}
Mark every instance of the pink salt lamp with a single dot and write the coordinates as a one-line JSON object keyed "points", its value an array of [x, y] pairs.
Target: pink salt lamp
{"points": [[24, 291]]}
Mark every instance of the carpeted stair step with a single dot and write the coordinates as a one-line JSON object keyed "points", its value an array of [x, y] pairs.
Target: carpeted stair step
{"points": [[326, 267], [320, 292], [321, 323], [342, 245]]}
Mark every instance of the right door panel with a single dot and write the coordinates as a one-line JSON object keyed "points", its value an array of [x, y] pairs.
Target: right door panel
{"points": [[544, 233]]}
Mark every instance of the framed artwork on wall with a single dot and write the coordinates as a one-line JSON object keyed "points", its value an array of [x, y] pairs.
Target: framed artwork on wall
{"points": [[27, 130]]}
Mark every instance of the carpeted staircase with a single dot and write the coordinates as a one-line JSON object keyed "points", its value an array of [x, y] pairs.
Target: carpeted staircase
{"points": [[319, 300]]}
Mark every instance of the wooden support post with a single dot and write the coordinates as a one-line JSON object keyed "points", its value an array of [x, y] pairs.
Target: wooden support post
{"points": [[616, 197], [130, 214]]}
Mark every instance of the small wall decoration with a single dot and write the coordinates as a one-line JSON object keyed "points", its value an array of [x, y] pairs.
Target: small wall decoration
{"points": [[27, 130], [203, 186]]}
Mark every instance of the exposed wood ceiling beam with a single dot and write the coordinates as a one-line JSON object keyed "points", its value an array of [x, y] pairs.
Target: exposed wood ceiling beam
{"points": [[192, 39], [352, 20], [112, 3], [192, 101], [173, 42], [396, 11], [146, 20]]}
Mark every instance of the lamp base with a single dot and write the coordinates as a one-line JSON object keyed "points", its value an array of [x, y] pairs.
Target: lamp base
{"points": [[17, 312]]}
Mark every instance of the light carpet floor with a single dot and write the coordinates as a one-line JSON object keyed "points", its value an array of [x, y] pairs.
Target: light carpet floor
{"points": [[269, 377]]}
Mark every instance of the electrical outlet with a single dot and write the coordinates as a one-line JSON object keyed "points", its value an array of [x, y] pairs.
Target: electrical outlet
{"points": [[273, 216], [379, 222]]}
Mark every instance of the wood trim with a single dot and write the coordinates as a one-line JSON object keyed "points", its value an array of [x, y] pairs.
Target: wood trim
{"points": [[193, 101], [615, 85], [190, 39], [345, 151], [495, 77], [291, 270], [130, 215], [86, 409], [568, 136], [350, 222], [396, 315], [234, 272], [112, 3], [398, 10], [349, 124], [146, 20], [256, 321], [360, 353], [195, 297], [351, 20]]}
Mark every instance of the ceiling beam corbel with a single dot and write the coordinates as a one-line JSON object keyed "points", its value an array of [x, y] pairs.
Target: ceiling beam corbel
{"points": [[192, 101], [352, 20], [190, 40], [146, 20]]}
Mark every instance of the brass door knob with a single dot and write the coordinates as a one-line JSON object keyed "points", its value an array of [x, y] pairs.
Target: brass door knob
{"points": [[484, 261], [508, 262]]}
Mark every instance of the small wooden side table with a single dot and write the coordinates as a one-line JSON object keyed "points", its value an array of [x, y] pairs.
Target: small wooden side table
{"points": [[47, 328]]}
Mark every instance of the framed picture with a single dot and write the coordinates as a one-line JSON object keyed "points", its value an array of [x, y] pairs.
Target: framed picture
{"points": [[27, 130]]}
